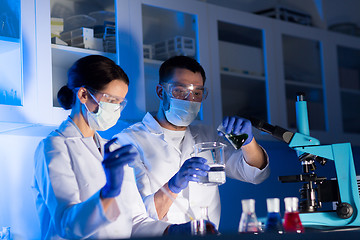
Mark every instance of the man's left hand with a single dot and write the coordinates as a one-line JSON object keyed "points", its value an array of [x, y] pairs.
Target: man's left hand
{"points": [[237, 125]]}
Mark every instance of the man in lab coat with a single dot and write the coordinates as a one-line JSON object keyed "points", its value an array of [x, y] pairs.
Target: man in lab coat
{"points": [[165, 144]]}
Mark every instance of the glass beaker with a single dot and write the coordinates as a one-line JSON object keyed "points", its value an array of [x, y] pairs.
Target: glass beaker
{"points": [[248, 221], [213, 152], [235, 140], [198, 226], [292, 222], [273, 222]]}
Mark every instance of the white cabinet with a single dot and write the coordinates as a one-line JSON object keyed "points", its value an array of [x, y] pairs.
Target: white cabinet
{"points": [[259, 65], [254, 65]]}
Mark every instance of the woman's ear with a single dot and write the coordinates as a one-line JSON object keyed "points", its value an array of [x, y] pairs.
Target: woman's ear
{"points": [[160, 91], [82, 94]]}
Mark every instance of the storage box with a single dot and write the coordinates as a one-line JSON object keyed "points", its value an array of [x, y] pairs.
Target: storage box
{"points": [[240, 58], [57, 26], [109, 38], [160, 50], [286, 14], [148, 51], [83, 38], [178, 45]]}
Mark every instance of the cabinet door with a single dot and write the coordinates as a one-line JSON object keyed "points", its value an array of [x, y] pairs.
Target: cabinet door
{"points": [[78, 29], [166, 33], [303, 73], [165, 29], [241, 67], [11, 90], [68, 30], [17, 62], [242, 71], [349, 82]]}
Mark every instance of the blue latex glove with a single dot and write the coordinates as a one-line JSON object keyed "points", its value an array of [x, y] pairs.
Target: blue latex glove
{"points": [[189, 171], [185, 229], [113, 165], [237, 125]]}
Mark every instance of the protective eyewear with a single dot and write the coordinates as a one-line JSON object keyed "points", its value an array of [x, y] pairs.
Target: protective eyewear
{"points": [[182, 91], [121, 102]]}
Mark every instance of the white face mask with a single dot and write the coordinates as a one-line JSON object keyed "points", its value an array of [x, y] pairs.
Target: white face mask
{"points": [[182, 112], [107, 116]]}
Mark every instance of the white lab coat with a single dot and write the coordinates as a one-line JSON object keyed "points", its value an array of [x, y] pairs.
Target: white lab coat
{"points": [[164, 160], [68, 179]]}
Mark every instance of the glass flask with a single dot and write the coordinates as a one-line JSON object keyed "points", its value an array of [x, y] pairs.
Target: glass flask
{"points": [[235, 140], [292, 222], [273, 222], [198, 226], [248, 221]]}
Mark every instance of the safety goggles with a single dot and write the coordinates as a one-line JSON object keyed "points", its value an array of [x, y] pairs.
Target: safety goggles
{"points": [[121, 102], [182, 91]]}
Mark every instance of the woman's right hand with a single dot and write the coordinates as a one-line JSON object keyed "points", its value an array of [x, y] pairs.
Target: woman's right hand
{"points": [[113, 165]]}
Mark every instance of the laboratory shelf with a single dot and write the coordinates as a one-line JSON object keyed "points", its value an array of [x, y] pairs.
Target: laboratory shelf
{"points": [[9, 39], [242, 75], [62, 55], [6, 46], [303, 84], [153, 62], [352, 91]]}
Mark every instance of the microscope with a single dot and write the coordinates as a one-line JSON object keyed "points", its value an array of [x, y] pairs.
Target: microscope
{"points": [[315, 190]]}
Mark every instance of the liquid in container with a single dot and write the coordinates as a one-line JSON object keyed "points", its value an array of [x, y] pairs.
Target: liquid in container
{"points": [[273, 222], [248, 221], [235, 140], [292, 222]]}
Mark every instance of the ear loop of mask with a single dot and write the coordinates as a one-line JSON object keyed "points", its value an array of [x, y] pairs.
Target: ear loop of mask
{"points": [[93, 98], [165, 99]]}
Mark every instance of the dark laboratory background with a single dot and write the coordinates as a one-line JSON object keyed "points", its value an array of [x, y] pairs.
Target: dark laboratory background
{"points": [[258, 54]]}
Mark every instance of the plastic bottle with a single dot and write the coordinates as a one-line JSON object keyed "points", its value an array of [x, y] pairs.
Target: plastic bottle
{"points": [[248, 221], [273, 223], [292, 222]]}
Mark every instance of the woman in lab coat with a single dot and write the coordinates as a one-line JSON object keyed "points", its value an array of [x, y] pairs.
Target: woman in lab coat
{"points": [[83, 189]]}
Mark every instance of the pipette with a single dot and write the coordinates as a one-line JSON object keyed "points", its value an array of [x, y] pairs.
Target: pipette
{"points": [[188, 213]]}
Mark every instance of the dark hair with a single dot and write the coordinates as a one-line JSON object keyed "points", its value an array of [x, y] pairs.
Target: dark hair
{"points": [[92, 71], [167, 68]]}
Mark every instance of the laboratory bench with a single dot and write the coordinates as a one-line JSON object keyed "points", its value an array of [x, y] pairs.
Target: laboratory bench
{"points": [[326, 234]]}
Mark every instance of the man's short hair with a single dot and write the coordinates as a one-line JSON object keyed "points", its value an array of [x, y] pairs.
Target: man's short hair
{"points": [[167, 68]]}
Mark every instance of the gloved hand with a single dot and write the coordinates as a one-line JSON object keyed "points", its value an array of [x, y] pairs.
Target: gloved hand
{"points": [[189, 171], [237, 125], [185, 229], [113, 165]]}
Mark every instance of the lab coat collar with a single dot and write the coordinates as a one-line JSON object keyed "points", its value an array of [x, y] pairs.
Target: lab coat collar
{"points": [[154, 127], [189, 140], [71, 131], [151, 124]]}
